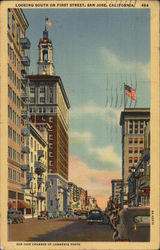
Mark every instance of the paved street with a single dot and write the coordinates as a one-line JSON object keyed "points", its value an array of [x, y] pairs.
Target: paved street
{"points": [[66, 229]]}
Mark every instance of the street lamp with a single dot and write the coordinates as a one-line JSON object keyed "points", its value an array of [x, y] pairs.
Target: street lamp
{"points": [[32, 192]]}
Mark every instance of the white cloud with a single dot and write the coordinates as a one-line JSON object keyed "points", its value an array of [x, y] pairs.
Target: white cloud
{"points": [[111, 115], [77, 136], [106, 154], [112, 61], [88, 109]]}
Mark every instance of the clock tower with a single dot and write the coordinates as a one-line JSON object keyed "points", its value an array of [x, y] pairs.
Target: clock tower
{"points": [[45, 62]]}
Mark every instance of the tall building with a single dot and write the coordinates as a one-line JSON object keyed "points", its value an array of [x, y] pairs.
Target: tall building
{"points": [[17, 61], [133, 122], [116, 190], [139, 179], [49, 103]]}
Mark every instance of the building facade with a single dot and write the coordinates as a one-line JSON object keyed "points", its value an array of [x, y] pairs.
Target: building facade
{"points": [[73, 199], [57, 194], [139, 179], [36, 194], [49, 104], [17, 62], [133, 122], [116, 190]]}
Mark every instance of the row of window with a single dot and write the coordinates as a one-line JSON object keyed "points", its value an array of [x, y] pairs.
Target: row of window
{"points": [[14, 77], [135, 140], [12, 134], [13, 58], [136, 127], [13, 116], [41, 110], [131, 159], [41, 100], [14, 175], [135, 150], [13, 154], [12, 95], [15, 27]]}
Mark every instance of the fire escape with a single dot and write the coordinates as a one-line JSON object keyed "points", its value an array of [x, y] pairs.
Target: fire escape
{"points": [[25, 131]]}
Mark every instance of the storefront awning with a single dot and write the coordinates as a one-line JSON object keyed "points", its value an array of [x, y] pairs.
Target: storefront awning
{"points": [[23, 204], [11, 204]]}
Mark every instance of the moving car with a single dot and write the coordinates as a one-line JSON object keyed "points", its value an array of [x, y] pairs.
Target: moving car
{"points": [[15, 217], [95, 216], [83, 215], [133, 225]]}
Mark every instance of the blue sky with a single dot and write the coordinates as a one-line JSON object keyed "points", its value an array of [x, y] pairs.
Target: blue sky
{"points": [[95, 51]]}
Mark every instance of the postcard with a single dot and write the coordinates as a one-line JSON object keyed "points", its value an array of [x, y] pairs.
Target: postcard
{"points": [[79, 125]]}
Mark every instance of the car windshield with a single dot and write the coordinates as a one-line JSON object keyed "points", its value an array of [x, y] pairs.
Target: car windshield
{"points": [[142, 219], [95, 212]]}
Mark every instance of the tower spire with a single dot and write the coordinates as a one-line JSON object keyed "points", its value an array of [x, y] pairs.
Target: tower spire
{"points": [[45, 62]]}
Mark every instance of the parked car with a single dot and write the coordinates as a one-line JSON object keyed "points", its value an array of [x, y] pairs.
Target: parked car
{"points": [[69, 213], [95, 216], [83, 215], [43, 215], [133, 225], [15, 217]]}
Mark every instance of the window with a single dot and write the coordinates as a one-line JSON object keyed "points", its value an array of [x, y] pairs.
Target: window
{"points": [[51, 203], [130, 140], [9, 152], [14, 175], [130, 150], [32, 90], [141, 150], [13, 25], [42, 99], [8, 49], [40, 110], [130, 159], [31, 142], [9, 17], [18, 34], [141, 140], [31, 157], [136, 150], [32, 99], [10, 173], [35, 145], [51, 100], [135, 160], [42, 89], [135, 140], [18, 157], [18, 176], [14, 155]]}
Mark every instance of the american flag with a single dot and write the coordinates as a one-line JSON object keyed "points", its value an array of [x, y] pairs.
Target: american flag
{"points": [[48, 22], [130, 92]]}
